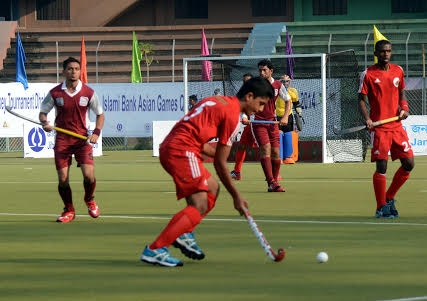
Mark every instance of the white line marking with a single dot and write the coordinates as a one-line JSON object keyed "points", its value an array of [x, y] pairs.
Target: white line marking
{"points": [[407, 299], [230, 219]]}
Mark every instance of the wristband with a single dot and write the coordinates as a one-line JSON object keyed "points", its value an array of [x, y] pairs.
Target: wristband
{"points": [[96, 131], [404, 105]]}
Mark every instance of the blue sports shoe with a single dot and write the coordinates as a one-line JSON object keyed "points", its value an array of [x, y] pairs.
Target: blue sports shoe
{"points": [[161, 257], [188, 246], [393, 209], [384, 212]]}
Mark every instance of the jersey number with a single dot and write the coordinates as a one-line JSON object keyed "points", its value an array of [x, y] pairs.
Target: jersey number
{"points": [[199, 109]]}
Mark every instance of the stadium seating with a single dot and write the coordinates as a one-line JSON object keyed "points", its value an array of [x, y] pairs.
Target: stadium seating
{"points": [[407, 37], [113, 48]]}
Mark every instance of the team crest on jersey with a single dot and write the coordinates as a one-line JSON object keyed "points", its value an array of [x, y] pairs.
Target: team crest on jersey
{"points": [[59, 101], [396, 82], [83, 101]]}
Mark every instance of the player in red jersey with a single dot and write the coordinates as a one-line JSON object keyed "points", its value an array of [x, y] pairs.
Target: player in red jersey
{"points": [[267, 136], [246, 140], [181, 156], [72, 100], [383, 86]]}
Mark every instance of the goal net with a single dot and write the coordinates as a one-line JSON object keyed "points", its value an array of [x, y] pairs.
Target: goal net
{"points": [[327, 85]]}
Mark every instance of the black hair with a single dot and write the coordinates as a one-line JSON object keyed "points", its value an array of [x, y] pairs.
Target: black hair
{"points": [[258, 85], [380, 44], [247, 74], [69, 60], [266, 62], [193, 97]]}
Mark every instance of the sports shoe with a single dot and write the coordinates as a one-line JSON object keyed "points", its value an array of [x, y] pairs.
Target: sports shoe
{"points": [[393, 209], [66, 216], [188, 246], [384, 212], [275, 187], [236, 175], [289, 161], [160, 256], [92, 209]]}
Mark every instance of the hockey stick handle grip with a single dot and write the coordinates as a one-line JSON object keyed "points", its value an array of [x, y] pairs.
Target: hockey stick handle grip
{"points": [[264, 122], [388, 120]]}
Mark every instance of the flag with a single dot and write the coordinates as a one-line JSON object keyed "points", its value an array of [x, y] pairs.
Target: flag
{"points": [[377, 37], [290, 62], [83, 71], [20, 59], [206, 65], [136, 61]]}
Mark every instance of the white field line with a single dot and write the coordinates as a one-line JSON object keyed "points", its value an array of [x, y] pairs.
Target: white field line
{"points": [[227, 219], [407, 299]]}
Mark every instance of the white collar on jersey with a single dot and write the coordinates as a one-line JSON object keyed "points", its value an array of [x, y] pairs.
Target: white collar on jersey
{"points": [[78, 87]]}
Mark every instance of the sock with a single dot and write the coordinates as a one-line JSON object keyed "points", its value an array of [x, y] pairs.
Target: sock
{"points": [[380, 183], [182, 222], [66, 196], [276, 167], [89, 190], [211, 204], [240, 157], [399, 179], [267, 168]]}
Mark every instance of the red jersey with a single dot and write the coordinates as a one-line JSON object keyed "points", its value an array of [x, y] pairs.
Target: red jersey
{"points": [[72, 110], [212, 117], [269, 112], [383, 90]]}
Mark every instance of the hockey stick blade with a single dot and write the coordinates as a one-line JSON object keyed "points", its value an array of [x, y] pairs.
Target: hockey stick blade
{"points": [[58, 129], [263, 241], [362, 127]]}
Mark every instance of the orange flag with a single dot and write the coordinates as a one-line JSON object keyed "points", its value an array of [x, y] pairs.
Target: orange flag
{"points": [[83, 71]]}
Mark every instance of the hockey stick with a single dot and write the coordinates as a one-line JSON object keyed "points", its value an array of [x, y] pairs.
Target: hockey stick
{"points": [[362, 127], [264, 122], [263, 241], [9, 109]]}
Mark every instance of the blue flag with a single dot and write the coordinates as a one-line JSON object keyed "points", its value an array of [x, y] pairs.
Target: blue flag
{"points": [[21, 74]]}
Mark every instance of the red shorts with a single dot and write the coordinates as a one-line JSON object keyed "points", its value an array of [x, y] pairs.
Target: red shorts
{"points": [[186, 168], [247, 137], [266, 133], [82, 151], [395, 141]]}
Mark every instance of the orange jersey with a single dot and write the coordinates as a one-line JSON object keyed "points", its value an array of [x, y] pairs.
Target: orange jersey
{"points": [[212, 117]]}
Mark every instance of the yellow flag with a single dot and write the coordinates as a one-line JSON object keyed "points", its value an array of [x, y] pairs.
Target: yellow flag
{"points": [[377, 37]]}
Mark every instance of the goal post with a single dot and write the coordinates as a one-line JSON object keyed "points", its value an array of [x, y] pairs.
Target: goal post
{"points": [[327, 85]]}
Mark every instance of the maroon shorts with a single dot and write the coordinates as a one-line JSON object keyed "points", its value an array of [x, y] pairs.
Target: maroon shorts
{"points": [[186, 168], [247, 137], [266, 133], [395, 141], [82, 151]]}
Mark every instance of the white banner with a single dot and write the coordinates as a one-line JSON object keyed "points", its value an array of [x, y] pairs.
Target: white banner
{"points": [[160, 130], [39, 144], [416, 127]]}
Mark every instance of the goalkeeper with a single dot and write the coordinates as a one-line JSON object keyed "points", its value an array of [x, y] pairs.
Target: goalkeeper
{"points": [[292, 156]]}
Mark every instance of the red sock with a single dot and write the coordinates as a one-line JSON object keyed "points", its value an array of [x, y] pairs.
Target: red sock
{"points": [[267, 168], [380, 183], [399, 179], [240, 157], [276, 167], [182, 222], [211, 204], [66, 196], [89, 190]]}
